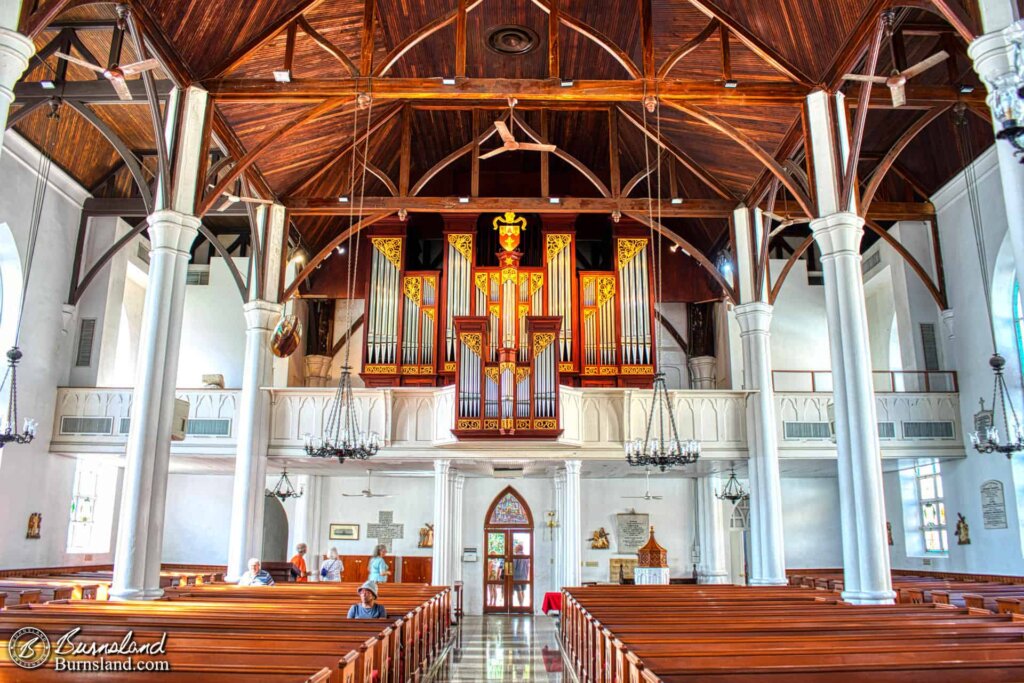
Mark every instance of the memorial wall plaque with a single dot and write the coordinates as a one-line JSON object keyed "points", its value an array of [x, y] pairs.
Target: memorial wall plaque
{"points": [[633, 529], [993, 504]]}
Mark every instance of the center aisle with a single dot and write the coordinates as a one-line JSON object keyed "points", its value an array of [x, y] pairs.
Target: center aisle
{"points": [[498, 648]]}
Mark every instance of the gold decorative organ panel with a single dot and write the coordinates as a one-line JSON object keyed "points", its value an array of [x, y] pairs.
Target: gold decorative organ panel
{"points": [[508, 318]]}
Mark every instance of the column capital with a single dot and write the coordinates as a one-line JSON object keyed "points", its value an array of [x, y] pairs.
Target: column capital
{"points": [[573, 466], [15, 51], [753, 317], [838, 233], [992, 56], [172, 230], [442, 465], [261, 315], [949, 322]]}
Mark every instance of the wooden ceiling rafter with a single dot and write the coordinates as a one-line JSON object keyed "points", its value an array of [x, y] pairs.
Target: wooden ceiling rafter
{"points": [[755, 44], [950, 10], [452, 157], [252, 155], [317, 173], [751, 146], [686, 48], [262, 38], [691, 208], [935, 290], [565, 156], [34, 23], [234, 150], [329, 47], [880, 171], [682, 157], [849, 179], [597, 37], [798, 252]]}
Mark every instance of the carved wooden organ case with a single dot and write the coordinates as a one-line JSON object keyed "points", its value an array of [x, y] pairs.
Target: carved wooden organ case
{"points": [[507, 335]]}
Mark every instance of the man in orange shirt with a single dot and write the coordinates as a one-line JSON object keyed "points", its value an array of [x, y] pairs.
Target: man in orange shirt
{"points": [[299, 564]]}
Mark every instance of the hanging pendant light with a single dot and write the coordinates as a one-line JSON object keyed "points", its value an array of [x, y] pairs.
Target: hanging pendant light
{"points": [[733, 490], [986, 420], [284, 489], [661, 446], [342, 438]]}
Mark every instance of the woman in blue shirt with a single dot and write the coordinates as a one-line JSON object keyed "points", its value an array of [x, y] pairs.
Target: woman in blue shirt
{"points": [[379, 571]]}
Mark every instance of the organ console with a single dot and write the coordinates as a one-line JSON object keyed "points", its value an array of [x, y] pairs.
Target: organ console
{"points": [[504, 333]]}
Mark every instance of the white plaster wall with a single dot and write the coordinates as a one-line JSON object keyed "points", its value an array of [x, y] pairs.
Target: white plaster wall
{"points": [[198, 517], [673, 518], [213, 329], [810, 519], [799, 332], [32, 480]]}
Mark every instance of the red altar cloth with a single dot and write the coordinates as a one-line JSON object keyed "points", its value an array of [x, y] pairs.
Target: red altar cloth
{"points": [[552, 602]]}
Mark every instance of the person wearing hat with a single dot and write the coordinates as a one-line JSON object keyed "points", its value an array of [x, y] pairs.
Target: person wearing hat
{"points": [[367, 607]]}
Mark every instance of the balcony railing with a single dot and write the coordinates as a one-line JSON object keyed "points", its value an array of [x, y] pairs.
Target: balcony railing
{"points": [[885, 381]]}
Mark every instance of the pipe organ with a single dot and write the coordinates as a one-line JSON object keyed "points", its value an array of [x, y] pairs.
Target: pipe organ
{"points": [[508, 328]]}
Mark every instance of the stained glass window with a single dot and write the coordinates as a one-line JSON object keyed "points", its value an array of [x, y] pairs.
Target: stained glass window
{"points": [[933, 509], [496, 543], [509, 510]]}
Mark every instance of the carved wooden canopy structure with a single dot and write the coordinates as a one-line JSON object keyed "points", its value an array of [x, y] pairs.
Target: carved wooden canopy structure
{"points": [[431, 90]]}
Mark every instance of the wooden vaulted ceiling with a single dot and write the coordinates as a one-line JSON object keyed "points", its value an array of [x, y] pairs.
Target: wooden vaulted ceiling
{"points": [[766, 42]]}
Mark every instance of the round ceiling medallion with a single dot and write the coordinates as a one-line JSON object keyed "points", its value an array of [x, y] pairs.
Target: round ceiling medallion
{"points": [[511, 39]]}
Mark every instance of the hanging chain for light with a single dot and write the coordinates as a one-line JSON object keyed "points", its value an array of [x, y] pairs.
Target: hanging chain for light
{"points": [[987, 420], [9, 432], [284, 489], [733, 490], [660, 446], [341, 437]]}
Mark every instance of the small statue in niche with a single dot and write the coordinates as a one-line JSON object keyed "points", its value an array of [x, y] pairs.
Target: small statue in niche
{"points": [[963, 532], [426, 536], [35, 521], [888, 531], [600, 540]]}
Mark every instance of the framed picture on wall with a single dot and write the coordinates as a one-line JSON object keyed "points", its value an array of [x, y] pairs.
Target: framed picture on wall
{"points": [[344, 532]]}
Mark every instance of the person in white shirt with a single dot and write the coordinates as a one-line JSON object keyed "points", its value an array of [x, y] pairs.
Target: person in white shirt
{"points": [[332, 567]]}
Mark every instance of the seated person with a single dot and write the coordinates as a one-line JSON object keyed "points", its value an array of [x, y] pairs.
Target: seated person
{"points": [[367, 607], [255, 576]]}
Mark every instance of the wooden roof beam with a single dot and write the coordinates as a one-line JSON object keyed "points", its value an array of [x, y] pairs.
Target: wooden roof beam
{"points": [[690, 208], [756, 45], [685, 159]]}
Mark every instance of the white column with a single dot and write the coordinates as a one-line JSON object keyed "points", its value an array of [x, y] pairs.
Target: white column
{"points": [[993, 62], [458, 488], [767, 562], [440, 564], [711, 529], [245, 538], [866, 572], [573, 536], [140, 529], [559, 532], [15, 51]]}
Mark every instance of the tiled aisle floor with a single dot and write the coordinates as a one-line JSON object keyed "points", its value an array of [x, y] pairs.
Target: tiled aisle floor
{"points": [[498, 648]]}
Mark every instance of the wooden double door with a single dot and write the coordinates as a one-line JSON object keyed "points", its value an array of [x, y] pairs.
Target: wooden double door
{"points": [[509, 556]]}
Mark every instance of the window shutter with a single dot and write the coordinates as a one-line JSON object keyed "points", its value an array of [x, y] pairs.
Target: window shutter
{"points": [[83, 356], [930, 346]]}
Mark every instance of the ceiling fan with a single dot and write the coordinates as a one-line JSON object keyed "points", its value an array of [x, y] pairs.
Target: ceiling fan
{"points": [[115, 73], [509, 140], [230, 199], [647, 494], [368, 491]]}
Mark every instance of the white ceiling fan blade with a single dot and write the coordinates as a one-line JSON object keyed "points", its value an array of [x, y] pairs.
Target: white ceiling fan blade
{"points": [[862, 77], [139, 67], [120, 87], [255, 200], [635, 497], [493, 153], [503, 132], [899, 95], [225, 205], [535, 147], [80, 62], [925, 64], [379, 495]]}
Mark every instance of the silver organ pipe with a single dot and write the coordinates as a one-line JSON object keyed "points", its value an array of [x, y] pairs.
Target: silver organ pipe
{"points": [[492, 380], [385, 290], [559, 250], [522, 393], [458, 285], [508, 395], [634, 301]]}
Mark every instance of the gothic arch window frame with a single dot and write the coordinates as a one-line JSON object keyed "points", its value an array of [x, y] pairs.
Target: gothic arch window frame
{"points": [[509, 490]]}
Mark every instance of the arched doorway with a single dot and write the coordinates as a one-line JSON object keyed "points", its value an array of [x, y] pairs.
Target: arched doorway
{"points": [[739, 541], [508, 560]]}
